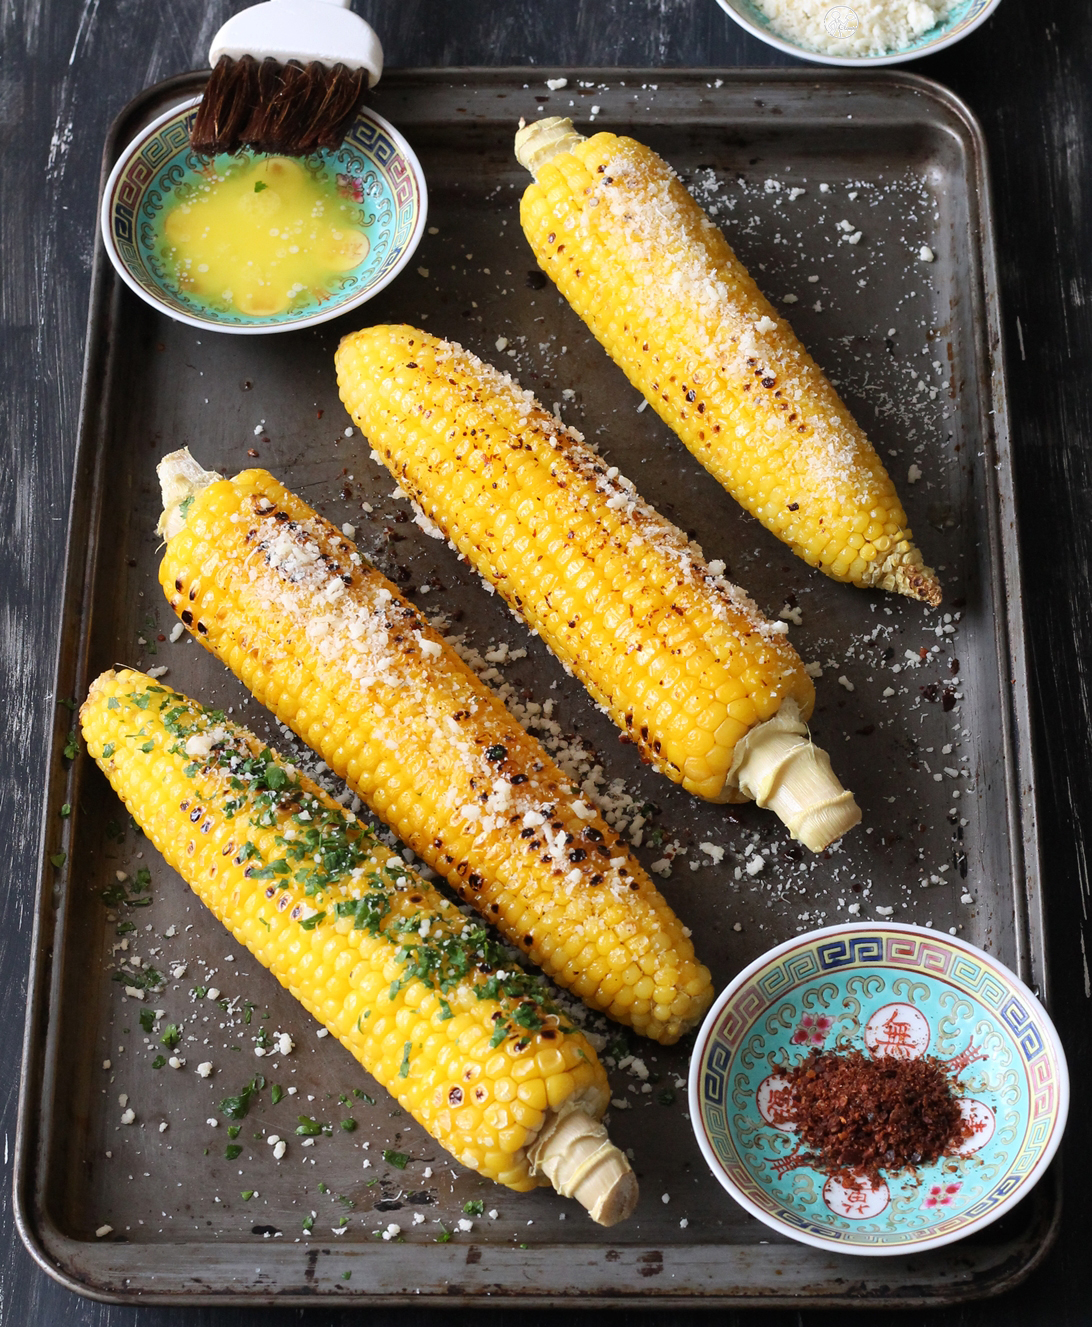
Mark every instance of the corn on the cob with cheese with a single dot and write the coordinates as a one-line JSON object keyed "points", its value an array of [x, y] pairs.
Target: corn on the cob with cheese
{"points": [[661, 289], [332, 647], [468, 1044], [712, 693]]}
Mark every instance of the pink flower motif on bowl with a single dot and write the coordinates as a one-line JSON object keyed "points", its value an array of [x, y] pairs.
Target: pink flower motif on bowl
{"points": [[941, 1195], [350, 186], [811, 1030]]}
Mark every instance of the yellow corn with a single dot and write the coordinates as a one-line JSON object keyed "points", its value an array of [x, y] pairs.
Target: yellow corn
{"points": [[684, 663], [396, 972], [344, 660], [661, 289]]}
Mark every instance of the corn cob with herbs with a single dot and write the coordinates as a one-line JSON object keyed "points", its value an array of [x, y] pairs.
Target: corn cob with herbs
{"points": [[659, 286], [332, 647], [711, 691], [467, 1043]]}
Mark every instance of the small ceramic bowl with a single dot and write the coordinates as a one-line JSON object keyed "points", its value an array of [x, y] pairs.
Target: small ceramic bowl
{"points": [[375, 169], [887, 990], [841, 20]]}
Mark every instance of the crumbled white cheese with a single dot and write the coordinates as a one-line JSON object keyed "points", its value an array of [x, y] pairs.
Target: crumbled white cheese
{"points": [[755, 865], [556, 84], [103, 1231], [128, 1115], [712, 850], [200, 744], [925, 254], [204, 1069], [844, 681]]}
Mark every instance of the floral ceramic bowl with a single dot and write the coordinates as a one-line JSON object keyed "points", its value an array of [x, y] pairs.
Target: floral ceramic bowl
{"points": [[375, 171], [887, 990], [841, 21]]}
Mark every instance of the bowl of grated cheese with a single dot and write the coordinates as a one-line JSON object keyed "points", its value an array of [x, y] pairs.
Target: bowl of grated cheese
{"points": [[859, 32]]}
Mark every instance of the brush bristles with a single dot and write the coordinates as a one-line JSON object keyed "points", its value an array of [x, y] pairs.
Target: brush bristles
{"points": [[288, 109]]}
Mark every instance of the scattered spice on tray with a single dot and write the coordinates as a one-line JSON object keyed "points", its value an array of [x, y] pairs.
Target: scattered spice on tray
{"points": [[860, 1115]]}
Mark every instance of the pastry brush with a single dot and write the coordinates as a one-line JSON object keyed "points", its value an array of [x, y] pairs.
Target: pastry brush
{"points": [[287, 77]]}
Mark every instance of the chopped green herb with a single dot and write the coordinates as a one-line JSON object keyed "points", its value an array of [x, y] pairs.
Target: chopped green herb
{"points": [[185, 505], [307, 1127], [148, 746], [444, 1237], [345, 1276], [399, 1160], [235, 1108], [232, 1151], [113, 703], [666, 1097], [159, 1062], [58, 859], [309, 923], [322, 1187], [123, 928], [198, 992], [71, 747], [474, 1206], [70, 704], [66, 810], [277, 1093], [234, 1130], [308, 1224], [445, 1011], [259, 185], [147, 979], [246, 1195], [363, 1096], [404, 1071], [147, 1019], [348, 1125], [172, 1035]]}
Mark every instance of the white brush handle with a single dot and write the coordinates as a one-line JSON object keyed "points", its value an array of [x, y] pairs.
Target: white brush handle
{"points": [[303, 30]]}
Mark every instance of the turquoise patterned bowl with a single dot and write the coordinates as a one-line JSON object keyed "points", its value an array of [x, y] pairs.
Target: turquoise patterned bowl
{"points": [[887, 990], [375, 169], [841, 20]]}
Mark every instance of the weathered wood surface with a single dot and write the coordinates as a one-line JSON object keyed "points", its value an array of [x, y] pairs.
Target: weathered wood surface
{"points": [[67, 66]]}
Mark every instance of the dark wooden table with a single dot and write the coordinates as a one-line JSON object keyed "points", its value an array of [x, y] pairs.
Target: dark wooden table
{"points": [[66, 68]]}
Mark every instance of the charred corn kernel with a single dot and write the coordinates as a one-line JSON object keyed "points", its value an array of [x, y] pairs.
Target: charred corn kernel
{"points": [[661, 289], [396, 972], [345, 661]]}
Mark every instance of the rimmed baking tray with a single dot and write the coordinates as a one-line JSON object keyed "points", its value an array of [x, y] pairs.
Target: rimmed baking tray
{"points": [[925, 714]]}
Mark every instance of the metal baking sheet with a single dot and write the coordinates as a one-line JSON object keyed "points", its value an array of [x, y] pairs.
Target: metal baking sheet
{"points": [[924, 714]]}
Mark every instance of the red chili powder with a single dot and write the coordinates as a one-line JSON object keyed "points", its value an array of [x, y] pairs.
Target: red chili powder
{"points": [[858, 1115]]}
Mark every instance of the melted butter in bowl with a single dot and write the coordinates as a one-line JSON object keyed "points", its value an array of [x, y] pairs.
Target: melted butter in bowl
{"points": [[257, 243], [263, 234]]}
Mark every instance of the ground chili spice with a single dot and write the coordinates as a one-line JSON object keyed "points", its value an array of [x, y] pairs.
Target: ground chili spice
{"points": [[858, 1115]]}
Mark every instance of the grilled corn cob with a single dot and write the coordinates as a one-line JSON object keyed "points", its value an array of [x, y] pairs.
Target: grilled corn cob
{"points": [[661, 289], [334, 650], [479, 1057], [685, 664]]}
